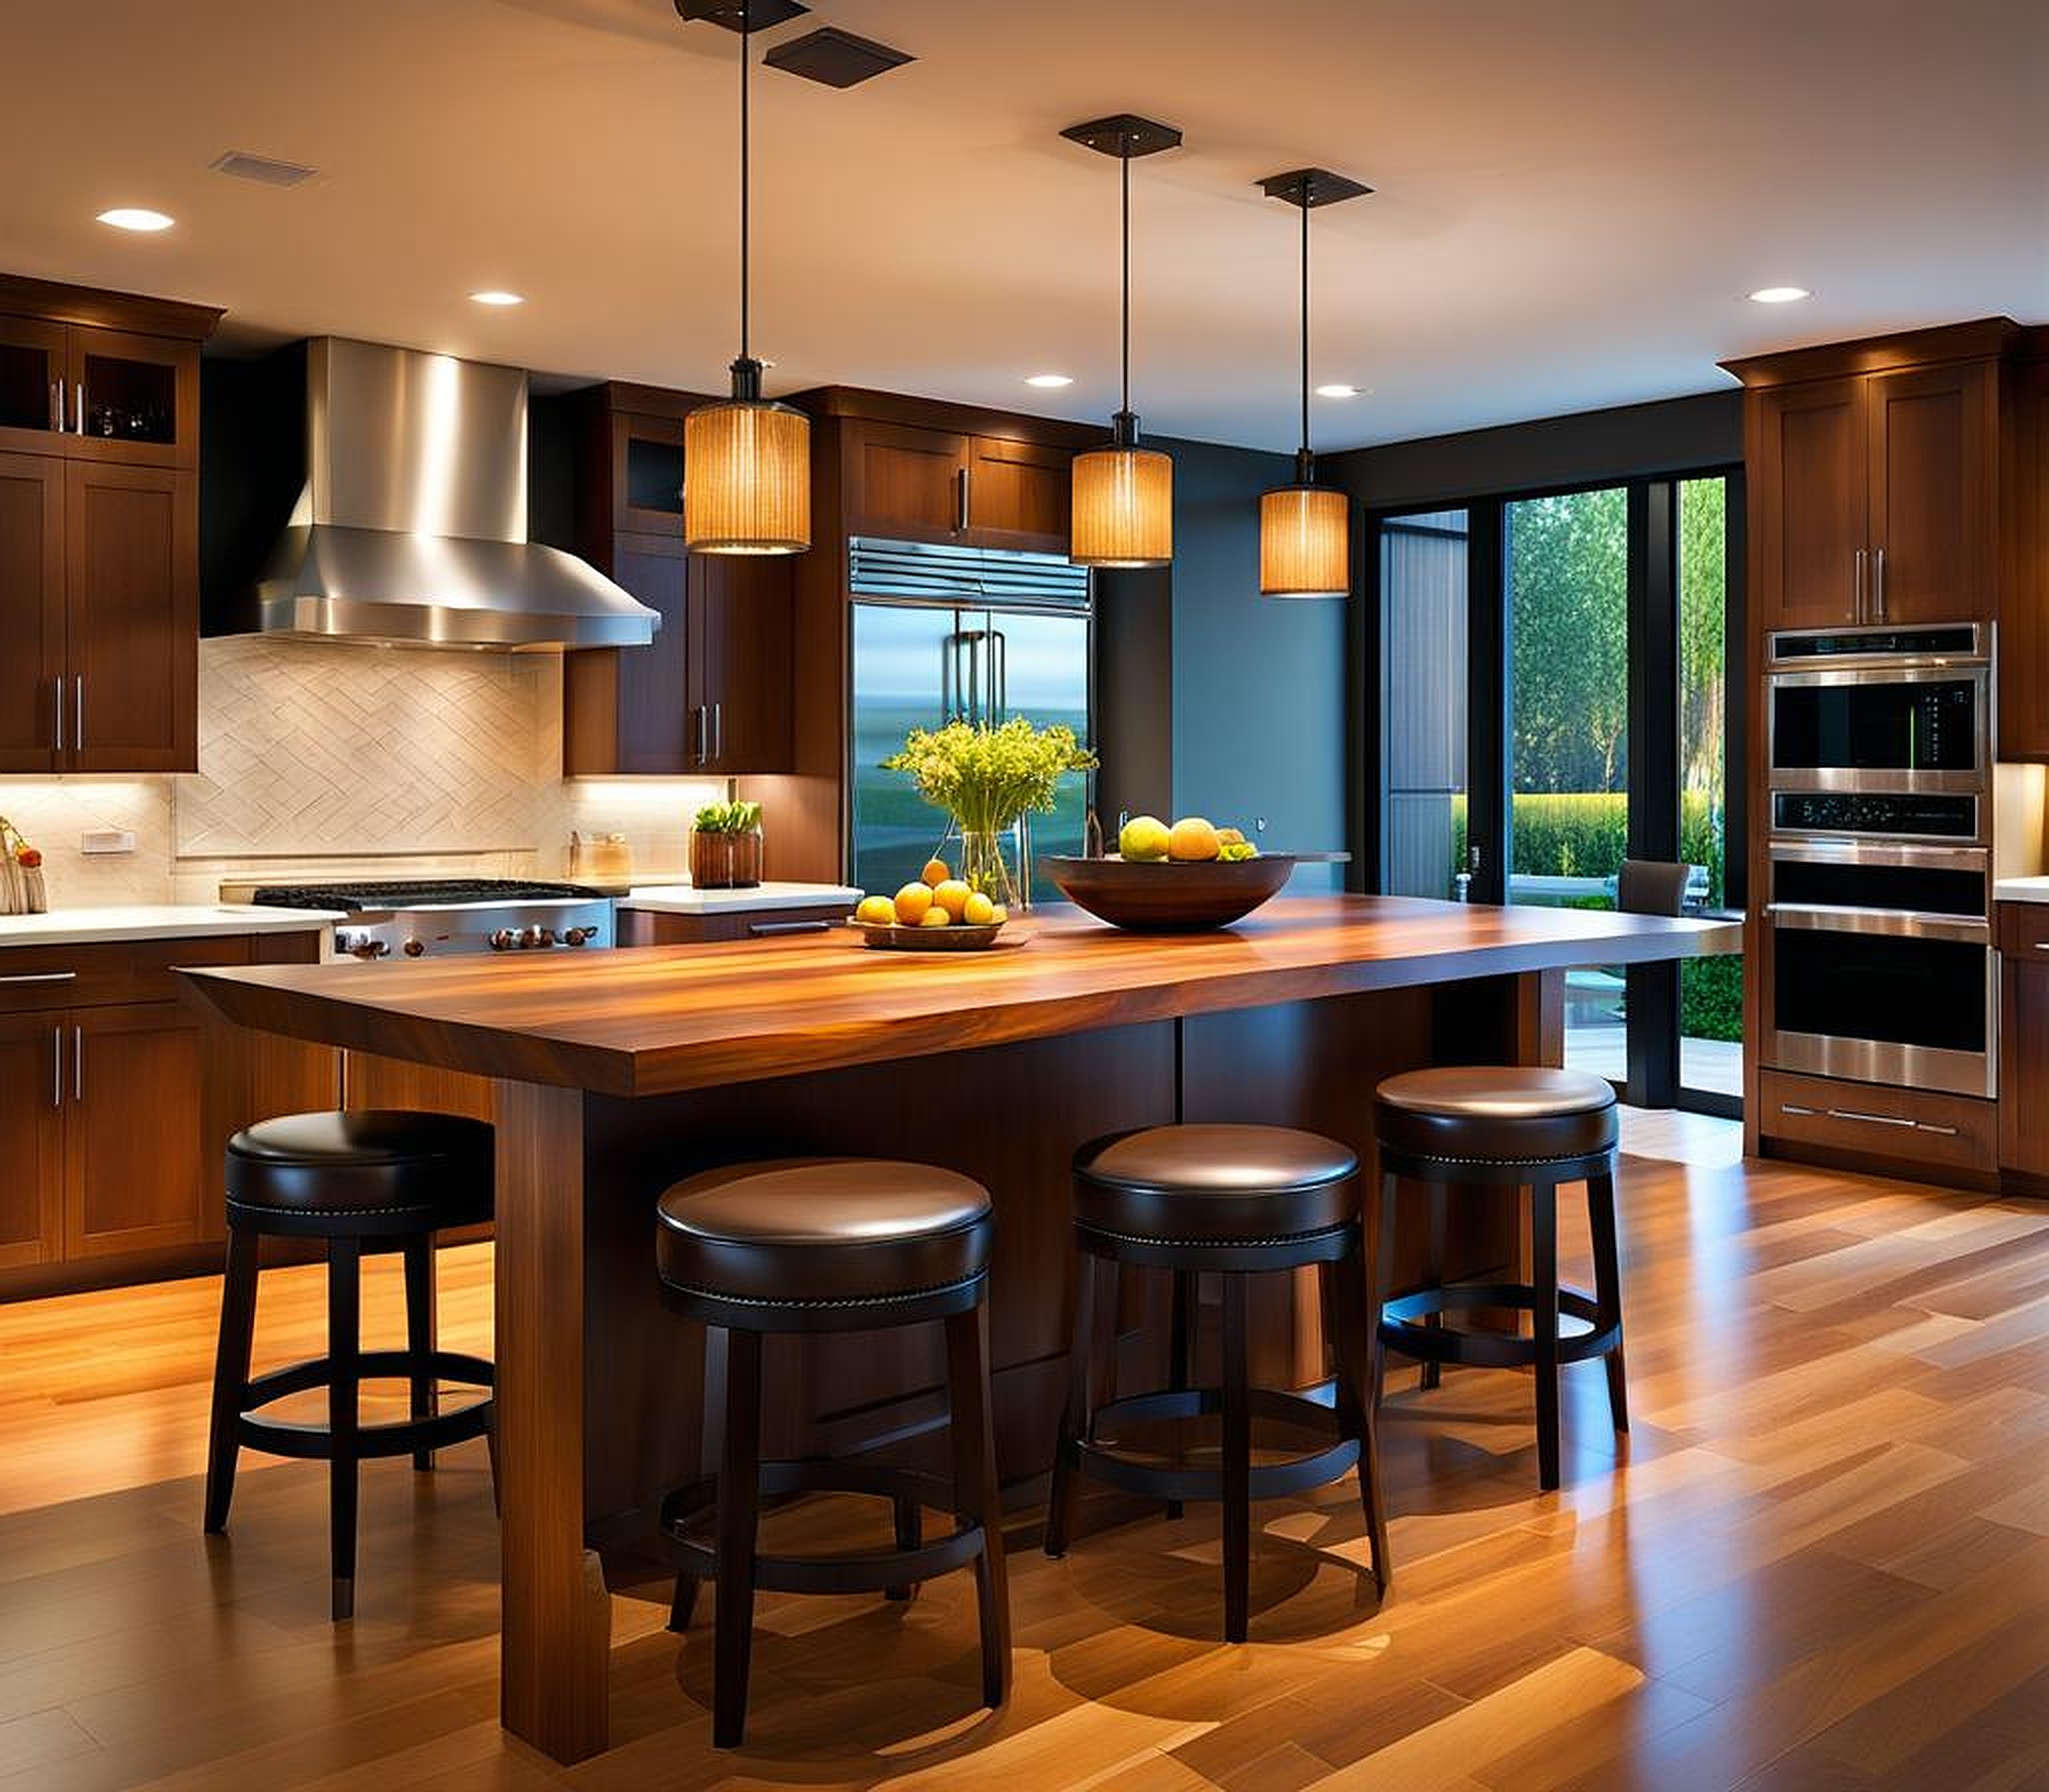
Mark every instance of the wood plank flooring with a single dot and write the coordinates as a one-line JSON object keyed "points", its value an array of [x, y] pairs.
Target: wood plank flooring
{"points": [[1821, 1563]]}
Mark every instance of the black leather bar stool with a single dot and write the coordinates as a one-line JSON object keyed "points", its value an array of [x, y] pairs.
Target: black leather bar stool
{"points": [[830, 1245], [1235, 1201], [1512, 1127], [376, 1180]]}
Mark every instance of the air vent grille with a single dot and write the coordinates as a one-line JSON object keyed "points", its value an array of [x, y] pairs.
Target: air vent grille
{"points": [[264, 170], [940, 574]]}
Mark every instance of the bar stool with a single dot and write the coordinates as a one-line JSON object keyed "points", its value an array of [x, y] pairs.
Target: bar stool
{"points": [[1235, 1201], [376, 1179], [1511, 1127], [830, 1245]]}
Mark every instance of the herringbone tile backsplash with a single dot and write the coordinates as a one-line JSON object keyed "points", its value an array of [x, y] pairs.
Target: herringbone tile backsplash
{"points": [[323, 756]]}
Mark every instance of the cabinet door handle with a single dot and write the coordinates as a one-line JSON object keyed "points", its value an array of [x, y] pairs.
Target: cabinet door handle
{"points": [[78, 714], [1898, 1120], [56, 704], [38, 976], [1859, 611], [700, 730], [763, 930], [56, 1066], [78, 409], [717, 731], [77, 1063], [1878, 582], [961, 515], [56, 405]]}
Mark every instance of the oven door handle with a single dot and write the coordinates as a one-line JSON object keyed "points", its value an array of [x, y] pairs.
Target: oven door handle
{"points": [[1817, 918], [1888, 854]]}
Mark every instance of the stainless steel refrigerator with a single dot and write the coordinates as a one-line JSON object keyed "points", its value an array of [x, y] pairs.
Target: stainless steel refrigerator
{"points": [[941, 632]]}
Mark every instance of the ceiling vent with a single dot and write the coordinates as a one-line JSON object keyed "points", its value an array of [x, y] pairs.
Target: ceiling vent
{"points": [[835, 57], [264, 170]]}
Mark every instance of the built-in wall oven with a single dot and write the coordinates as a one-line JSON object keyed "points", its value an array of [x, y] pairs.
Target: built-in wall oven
{"points": [[1879, 963]]}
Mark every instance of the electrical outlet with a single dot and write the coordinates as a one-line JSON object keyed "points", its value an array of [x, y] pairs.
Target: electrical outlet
{"points": [[96, 840]]}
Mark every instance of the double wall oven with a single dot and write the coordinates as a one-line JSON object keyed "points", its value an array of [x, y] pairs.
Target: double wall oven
{"points": [[1879, 963]]}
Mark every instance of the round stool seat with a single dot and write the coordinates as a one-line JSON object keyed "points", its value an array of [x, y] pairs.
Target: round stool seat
{"points": [[400, 1171], [1216, 1184], [823, 1231], [1496, 1114]]}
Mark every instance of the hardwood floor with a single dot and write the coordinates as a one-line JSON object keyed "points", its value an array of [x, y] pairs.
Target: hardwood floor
{"points": [[1823, 1565]]}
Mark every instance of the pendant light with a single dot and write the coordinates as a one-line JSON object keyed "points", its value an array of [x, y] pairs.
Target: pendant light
{"points": [[747, 462], [1304, 529], [1124, 494]]}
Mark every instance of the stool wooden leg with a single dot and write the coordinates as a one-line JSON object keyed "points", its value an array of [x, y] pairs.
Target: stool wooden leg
{"points": [[1607, 1287], [1544, 1326], [1433, 1373], [1179, 1346], [1236, 1464], [711, 1446], [739, 1504], [977, 1494], [1347, 1319], [344, 1321], [421, 1329], [1380, 1281], [231, 1371], [911, 1532], [1074, 1422]]}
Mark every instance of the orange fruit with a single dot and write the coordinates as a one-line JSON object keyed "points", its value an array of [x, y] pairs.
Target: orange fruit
{"points": [[1192, 839], [913, 902], [952, 895], [978, 910], [935, 916], [936, 871]]}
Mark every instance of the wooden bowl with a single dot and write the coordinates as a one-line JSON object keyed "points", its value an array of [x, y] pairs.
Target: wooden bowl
{"points": [[959, 937], [1169, 896]]}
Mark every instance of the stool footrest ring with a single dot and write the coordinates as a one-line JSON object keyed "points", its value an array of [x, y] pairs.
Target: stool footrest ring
{"points": [[1401, 1327], [853, 1571], [1267, 1480], [397, 1437]]}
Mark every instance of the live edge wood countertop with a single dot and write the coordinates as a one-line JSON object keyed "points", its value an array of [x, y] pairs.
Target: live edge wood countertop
{"points": [[658, 1020]]}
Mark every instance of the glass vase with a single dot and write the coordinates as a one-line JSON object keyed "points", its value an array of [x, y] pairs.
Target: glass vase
{"points": [[987, 866]]}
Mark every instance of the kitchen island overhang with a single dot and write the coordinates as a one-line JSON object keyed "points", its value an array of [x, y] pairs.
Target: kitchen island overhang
{"points": [[615, 1075]]}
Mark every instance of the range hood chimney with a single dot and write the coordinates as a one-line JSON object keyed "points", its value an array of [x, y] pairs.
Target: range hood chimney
{"points": [[411, 524]]}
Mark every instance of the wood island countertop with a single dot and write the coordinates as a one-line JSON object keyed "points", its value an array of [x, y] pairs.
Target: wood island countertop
{"points": [[658, 1020]]}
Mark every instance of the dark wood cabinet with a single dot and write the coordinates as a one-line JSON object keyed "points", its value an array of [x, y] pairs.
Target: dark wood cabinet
{"points": [[1020, 493], [2024, 643], [710, 695], [33, 396], [1879, 479], [32, 613], [131, 1131], [2025, 1068], [905, 481], [32, 1192]]}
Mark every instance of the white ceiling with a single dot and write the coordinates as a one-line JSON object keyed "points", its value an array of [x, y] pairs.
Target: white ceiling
{"points": [[1573, 197]]}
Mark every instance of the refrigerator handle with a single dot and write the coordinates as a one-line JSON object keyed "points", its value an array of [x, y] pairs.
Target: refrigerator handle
{"points": [[948, 677], [1000, 677]]}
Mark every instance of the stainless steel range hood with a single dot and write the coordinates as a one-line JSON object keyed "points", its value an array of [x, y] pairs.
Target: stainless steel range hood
{"points": [[412, 524]]}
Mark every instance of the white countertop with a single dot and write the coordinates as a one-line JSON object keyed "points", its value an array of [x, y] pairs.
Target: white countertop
{"points": [[156, 921], [687, 899], [2020, 890]]}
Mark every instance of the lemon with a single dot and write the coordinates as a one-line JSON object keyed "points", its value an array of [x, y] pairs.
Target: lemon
{"points": [[935, 916], [997, 912], [978, 910], [876, 912], [1230, 836], [936, 871], [1143, 837], [913, 902], [1193, 839], [952, 895]]}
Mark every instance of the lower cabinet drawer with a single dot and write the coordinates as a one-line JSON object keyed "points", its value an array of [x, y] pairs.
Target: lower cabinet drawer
{"points": [[1951, 1132], [34, 978], [652, 927]]}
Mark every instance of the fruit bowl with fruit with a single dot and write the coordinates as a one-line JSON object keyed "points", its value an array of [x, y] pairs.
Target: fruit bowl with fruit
{"points": [[939, 913], [1172, 879]]}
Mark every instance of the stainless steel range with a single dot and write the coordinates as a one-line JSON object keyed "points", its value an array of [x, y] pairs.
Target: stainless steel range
{"points": [[417, 918]]}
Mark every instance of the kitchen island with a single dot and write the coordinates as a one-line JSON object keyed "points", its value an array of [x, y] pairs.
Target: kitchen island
{"points": [[617, 1074]]}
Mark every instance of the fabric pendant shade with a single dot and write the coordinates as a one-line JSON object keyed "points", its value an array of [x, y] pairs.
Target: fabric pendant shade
{"points": [[749, 488], [1304, 529], [1122, 494], [1124, 508], [1304, 543]]}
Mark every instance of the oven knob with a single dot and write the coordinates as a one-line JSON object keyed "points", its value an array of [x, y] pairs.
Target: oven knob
{"points": [[503, 940], [367, 947], [577, 936], [537, 936], [413, 948], [344, 941]]}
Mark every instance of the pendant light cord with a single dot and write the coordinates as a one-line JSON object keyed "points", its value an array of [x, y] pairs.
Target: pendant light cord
{"points": [[746, 31], [1124, 402], [1305, 318]]}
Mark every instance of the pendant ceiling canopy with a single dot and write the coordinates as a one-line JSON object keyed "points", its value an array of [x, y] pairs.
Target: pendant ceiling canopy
{"points": [[747, 462], [1304, 529], [1124, 494]]}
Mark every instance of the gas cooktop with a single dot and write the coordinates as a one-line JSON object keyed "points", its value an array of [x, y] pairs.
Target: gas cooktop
{"points": [[417, 892]]}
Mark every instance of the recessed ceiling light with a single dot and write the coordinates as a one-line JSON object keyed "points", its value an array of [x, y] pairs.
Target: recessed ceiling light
{"points": [[1049, 381], [1338, 392], [137, 218], [1780, 294], [500, 298]]}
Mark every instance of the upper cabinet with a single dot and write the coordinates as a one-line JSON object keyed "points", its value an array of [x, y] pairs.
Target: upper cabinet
{"points": [[907, 481], [710, 695], [99, 530]]}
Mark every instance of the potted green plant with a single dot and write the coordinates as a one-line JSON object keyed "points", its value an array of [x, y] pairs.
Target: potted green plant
{"points": [[725, 846], [989, 779]]}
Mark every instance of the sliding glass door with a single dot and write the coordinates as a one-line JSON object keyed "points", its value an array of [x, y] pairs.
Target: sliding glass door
{"points": [[1553, 698]]}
